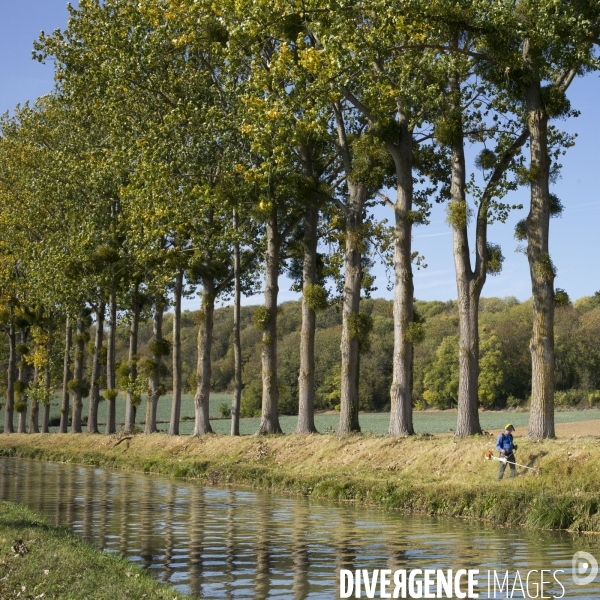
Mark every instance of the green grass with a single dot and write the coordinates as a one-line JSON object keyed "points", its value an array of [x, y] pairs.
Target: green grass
{"points": [[376, 423], [59, 565], [424, 422]]}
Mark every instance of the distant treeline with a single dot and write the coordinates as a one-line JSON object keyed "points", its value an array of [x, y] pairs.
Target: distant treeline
{"points": [[505, 366]]}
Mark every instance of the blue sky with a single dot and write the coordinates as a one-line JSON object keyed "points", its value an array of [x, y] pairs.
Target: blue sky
{"points": [[574, 238]]}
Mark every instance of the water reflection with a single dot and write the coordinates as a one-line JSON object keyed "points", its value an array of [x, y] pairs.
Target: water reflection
{"points": [[238, 544]]}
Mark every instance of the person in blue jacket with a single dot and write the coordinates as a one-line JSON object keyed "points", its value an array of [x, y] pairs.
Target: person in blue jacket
{"points": [[506, 446]]}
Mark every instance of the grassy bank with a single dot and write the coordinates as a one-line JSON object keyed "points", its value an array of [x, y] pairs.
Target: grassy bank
{"points": [[431, 475], [49, 562]]}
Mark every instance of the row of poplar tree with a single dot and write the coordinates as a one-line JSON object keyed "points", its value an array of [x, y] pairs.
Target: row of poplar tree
{"points": [[189, 143]]}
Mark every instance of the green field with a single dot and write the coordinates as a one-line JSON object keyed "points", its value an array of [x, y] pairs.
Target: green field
{"points": [[377, 423], [163, 412], [424, 422]]}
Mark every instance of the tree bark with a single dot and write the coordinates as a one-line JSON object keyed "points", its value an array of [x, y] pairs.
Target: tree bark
{"points": [[48, 381], [467, 282], [204, 367], [92, 424], [237, 343], [64, 409], [111, 380], [78, 377], [34, 415], [130, 408], [401, 417], [351, 305], [357, 195], [269, 422], [23, 394], [154, 378], [306, 377], [176, 401], [541, 419], [11, 372]]}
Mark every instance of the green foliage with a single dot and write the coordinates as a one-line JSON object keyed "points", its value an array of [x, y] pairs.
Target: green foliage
{"points": [[74, 386], [20, 406], [360, 326], [82, 338], [111, 394], [441, 380], [513, 402], [570, 398], [415, 333], [521, 230], [485, 160], [561, 298], [491, 372], [20, 387], [371, 163], [556, 206], [39, 394], [316, 297], [288, 404], [594, 398], [150, 367], [251, 403], [458, 214], [22, 349], [215, 32], [545, 268], [495, 259], [225, 410], [555, 101], [261, 318], [448, 130], [160, 347]]}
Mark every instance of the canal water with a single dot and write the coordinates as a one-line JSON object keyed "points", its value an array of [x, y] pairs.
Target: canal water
{"points": [[234, 543]]}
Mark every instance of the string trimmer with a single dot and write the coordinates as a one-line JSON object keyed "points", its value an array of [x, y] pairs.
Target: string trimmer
{"points": [[503, 459]]}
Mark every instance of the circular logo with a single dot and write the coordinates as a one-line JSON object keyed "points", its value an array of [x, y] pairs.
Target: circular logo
{"points": [[585, 568]]}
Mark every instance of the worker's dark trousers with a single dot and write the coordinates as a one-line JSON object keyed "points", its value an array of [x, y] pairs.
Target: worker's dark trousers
{"points": [[513, 469]]}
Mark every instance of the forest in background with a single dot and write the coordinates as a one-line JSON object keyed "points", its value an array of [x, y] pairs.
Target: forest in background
{"points": [[504, 380]]}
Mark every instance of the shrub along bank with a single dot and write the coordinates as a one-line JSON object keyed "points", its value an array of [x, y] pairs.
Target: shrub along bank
{"points": [[41, 561], [433, 475]]}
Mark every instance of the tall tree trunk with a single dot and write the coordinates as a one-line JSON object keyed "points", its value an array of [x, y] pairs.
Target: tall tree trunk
{"points": [[357, 195], [176, 401], [401, 417], [131, 400], [204, 369], [92, 424], [78, 376], [541, 419], [157, 338], [64, 409], [306, 377], [48, 381], [269, 422], [111, 378], [11, 372], [351, 304], [34, 415], [23, 394], [466, 282], [237, 341]]}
